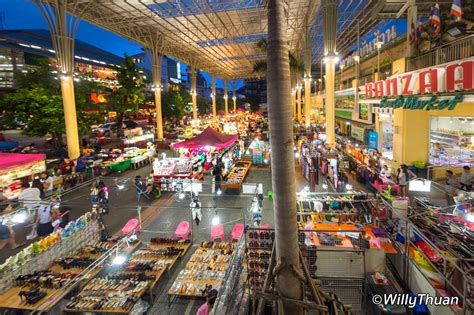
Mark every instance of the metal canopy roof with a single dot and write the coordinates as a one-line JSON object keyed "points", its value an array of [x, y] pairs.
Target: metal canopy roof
{"points": [[218, 36]]}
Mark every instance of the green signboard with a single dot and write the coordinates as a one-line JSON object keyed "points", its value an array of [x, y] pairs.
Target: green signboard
{"points": [[343, 114], [413, 103]]}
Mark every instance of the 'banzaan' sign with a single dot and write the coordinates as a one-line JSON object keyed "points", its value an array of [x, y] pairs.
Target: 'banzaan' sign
{"points": [[456, 76]]}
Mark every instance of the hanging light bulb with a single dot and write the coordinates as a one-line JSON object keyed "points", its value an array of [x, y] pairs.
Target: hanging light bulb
{"points": [[215, 220]]}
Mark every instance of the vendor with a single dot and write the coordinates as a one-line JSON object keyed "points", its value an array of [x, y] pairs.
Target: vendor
{"points": [[386, 172], [211, 297], [80, 164], [87, 151], [66, 166]]}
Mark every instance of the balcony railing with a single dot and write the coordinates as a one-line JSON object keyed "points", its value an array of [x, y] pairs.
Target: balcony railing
{"points": [[459, 49]]}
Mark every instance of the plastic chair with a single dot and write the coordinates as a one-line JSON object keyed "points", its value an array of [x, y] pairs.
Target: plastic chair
{"points": [[131, 227], [237, 232], [217, 231], [182, 230], [141, 192], [264, 226]]}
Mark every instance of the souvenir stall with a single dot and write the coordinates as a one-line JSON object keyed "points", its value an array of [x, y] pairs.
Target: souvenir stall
{"points": [[14, 167], [329, 212], [438, 241], [39, 276], [204, 271], [170, 174], [308, 158], [236, 175], [209, 143], [260, 151]]}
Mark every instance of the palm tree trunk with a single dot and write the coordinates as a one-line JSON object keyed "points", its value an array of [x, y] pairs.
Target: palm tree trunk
{"points": [[283, 167]]}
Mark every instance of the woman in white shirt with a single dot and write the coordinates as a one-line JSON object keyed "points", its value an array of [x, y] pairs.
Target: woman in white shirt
{"points": [[29, 196], [43, 220]]}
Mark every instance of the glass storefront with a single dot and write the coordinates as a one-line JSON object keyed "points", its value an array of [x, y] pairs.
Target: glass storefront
{"points": [[452, 141], [387, 135]]}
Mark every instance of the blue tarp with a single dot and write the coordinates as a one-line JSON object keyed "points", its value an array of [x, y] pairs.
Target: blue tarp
{"points": [[8, 145]]}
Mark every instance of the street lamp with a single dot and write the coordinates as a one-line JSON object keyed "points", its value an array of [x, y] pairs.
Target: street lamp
{"points": [[342, 70], [378, 45]]}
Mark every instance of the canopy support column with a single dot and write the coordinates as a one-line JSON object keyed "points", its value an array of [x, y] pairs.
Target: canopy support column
{"points": [[282, 154], [307, 83], [63, 31], [330, 22], [226, 98], [234, 96], [156, 57], [193, 91], [213, 96], [298, 96]]}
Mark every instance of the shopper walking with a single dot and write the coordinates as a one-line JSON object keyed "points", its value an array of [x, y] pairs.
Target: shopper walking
{"points": [[451, 184], [103, 198], [195, 206], [404, 176], [7, 236], [467, 179], [43, 220], [29, 196], [94, 194], [210, 300]]}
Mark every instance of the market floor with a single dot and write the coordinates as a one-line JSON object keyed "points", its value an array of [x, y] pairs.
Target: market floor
{"points": [[160, 218]]}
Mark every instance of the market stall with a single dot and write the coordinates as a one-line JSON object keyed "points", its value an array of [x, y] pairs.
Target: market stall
{"points": [[171, 173], [42, 274], [236, 175], [206, 269], [15, 166]]}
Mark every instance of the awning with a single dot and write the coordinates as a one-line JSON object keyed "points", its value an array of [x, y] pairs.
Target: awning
{"points": [[9, 160], [208, 138]]}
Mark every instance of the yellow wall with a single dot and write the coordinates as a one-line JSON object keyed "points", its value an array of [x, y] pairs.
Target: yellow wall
{"points": [[399, 66]]}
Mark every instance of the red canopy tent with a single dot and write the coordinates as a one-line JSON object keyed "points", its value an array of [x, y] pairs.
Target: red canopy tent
{"points": [[9, 160], [209, 137]]}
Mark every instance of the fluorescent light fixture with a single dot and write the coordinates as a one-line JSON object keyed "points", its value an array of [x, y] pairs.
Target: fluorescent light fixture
{"points": [[219, 192], [181, 195], [420, 185], [120, 187], [119, 260], [325, 186], [216, 220]]}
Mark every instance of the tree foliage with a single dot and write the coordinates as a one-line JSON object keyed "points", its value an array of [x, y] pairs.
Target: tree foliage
{"points": [[129, 94], [172, 104], [204, 107], [260, 67], [38, 103]]}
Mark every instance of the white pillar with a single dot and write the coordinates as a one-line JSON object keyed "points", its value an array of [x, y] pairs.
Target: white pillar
{"points": [[226, 98], [194, 91], [213, 95]]}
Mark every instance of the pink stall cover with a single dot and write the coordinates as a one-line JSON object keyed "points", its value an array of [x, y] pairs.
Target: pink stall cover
{"points": [[209, 137]]}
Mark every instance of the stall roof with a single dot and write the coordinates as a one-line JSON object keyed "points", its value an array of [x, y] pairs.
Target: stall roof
{"points": [[209, 137], [9, 160]]}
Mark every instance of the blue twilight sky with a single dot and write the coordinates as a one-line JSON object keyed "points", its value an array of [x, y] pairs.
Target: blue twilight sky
{"points": [[22, 14]]}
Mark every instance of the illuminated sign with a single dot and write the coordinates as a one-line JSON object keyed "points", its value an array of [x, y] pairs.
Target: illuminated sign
{"points": [[456, 76], [416, 104]]}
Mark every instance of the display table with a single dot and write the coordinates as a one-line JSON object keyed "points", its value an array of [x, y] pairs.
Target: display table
{"points": [[236, 176], [120, 166], [11, 298], [143, 271], [337, 236], [206, 267]]}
